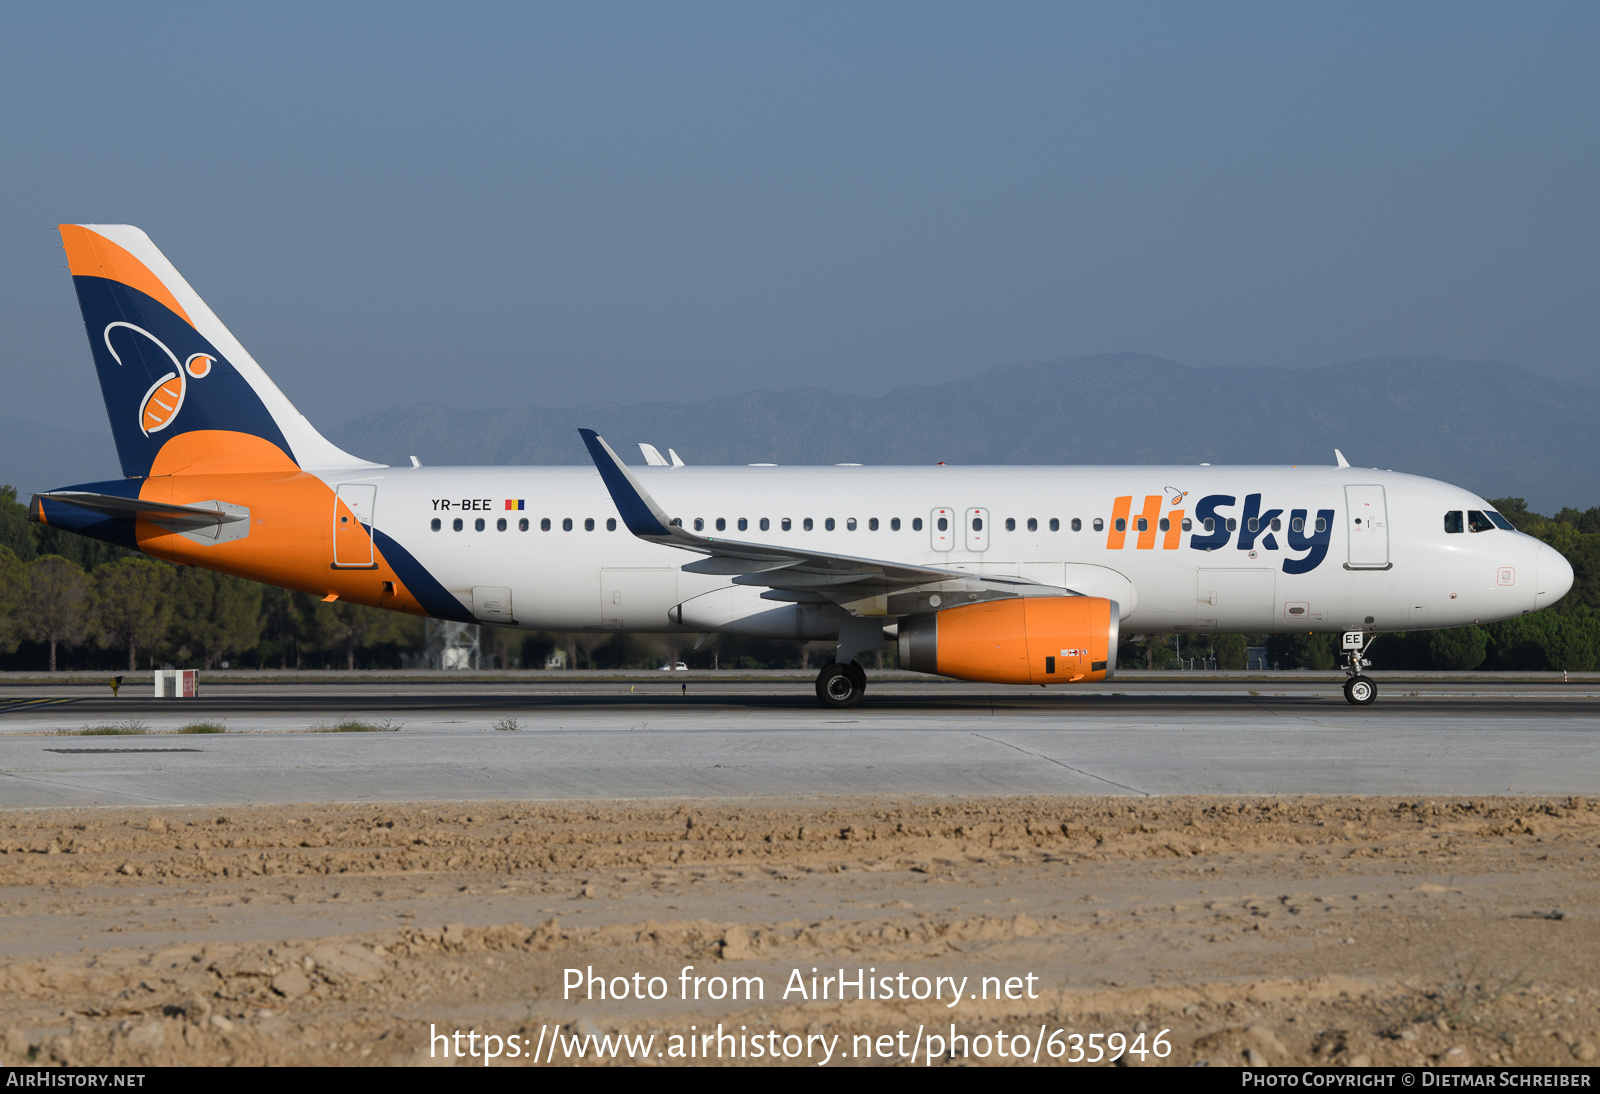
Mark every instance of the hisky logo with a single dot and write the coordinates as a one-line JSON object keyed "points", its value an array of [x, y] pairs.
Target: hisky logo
{"points": [[159, 406], [1213, 527]]}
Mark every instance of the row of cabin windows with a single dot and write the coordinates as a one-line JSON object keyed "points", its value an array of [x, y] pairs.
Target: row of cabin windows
{"points": [[1452, 523], [1298, 524], [522, 525], [851, 524]]}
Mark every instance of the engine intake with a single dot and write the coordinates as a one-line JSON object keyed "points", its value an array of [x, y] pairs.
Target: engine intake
{"points": [[1026, 640]]}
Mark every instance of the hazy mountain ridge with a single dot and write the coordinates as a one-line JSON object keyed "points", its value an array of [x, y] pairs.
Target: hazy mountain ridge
{"points": [[1488, 426]]}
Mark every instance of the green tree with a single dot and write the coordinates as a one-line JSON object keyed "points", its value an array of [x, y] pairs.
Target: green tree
{"points": [[348, 628], [1232, 651], [59, 603], [16, 530], [13, 595], [1303, 651], [135, 597], [215, 615], [1457, 649]]}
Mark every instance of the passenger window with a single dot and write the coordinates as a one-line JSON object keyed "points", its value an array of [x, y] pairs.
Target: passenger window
{"points": [[850, 525], [1055, 525], [699, 524], [1452, 522], [544, 525], [828, 524], [916, 524], [806, 524], [1322, 525], [1477, 522], [1253, 524], [977, 524], [1187, 524], [766, 524], [1210, 525], [566, 524], [1033, 524], [500, 525], [478, 524], [1277, 525], [1297, 525], [1233, 524], [522, 525], [611, 524], [1163, 525], [894, 524], [436, 524], [588, 524], [1011, 524], [1122, 525], [456, 524], [787, 524], [1099, 524], [872, 525], [722, 525], [944, 525], [744, 524]]}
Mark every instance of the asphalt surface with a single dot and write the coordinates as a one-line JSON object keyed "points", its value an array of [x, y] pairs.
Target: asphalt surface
{"points": [[611, 739]]}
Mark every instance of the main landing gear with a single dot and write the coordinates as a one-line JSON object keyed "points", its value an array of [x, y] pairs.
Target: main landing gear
{"points": [[1359, 690], [841, 685]]}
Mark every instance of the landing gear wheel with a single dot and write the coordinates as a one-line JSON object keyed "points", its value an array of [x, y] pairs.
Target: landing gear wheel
{"points": [[837, 686], [1360, 690], [859, 675]]}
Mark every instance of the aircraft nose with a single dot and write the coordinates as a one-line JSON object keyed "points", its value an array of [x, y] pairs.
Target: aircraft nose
{"points": [[1555, 577]]}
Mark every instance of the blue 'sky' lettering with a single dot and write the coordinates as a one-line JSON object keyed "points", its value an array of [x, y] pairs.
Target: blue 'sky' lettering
{"points": [[1312, 540], [1316, 543], [1206, 510]]}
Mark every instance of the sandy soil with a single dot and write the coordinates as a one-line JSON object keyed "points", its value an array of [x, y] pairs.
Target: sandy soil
{"points": [[1303, 930]]}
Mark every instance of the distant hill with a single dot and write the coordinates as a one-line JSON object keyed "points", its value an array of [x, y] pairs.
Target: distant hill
{"points": [[1490, 427], [1493, 428]]}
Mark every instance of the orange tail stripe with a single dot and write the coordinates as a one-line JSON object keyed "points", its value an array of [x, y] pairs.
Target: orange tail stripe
{"points": [[92, 255]]}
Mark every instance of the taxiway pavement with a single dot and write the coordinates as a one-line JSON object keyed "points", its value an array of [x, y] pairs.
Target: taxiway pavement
{"points": [[770, 740]]}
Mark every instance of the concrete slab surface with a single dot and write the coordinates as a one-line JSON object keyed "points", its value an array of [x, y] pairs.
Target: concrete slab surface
{"points": [[772, 741]]}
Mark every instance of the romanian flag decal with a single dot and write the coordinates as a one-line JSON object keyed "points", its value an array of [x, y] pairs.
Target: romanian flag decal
{"points": [[517, 504]]}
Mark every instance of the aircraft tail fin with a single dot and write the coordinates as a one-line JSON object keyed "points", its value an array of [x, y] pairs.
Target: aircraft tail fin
{"points": [[181, 392]]}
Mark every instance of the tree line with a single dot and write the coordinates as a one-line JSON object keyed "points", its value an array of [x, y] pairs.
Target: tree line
{"points": [[71, 602]]}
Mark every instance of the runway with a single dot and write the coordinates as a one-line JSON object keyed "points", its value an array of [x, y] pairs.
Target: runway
{"points": [[771, 741]]}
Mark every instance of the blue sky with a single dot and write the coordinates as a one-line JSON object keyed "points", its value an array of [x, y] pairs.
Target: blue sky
{"points": [[492, 205]]}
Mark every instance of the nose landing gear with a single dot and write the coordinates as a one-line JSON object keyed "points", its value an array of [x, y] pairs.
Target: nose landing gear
{"points": [[841, 686], [1359, 690]]}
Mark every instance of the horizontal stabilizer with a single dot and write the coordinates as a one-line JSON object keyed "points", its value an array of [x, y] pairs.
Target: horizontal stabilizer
{"points": [[176, 517]]}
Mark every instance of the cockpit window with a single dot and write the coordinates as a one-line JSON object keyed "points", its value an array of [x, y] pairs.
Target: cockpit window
{"points": [[1501, 522], [1477, 522], [1452, 522]]}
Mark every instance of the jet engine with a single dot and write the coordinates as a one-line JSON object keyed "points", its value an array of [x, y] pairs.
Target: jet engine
{"points": [[1026, 640]]}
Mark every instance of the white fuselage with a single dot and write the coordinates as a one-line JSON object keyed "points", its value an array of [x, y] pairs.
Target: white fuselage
{"points": [[1397, 570]]}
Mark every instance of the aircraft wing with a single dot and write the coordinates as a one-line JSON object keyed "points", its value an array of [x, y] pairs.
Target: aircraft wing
{"points": [[791, 573], [176, 517]]}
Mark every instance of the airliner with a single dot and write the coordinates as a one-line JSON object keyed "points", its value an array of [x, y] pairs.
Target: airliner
{"points": [[1013, 575]]}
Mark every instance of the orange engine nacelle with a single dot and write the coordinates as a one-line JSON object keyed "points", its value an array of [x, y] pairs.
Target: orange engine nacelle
{"points": [[1028, 640]]}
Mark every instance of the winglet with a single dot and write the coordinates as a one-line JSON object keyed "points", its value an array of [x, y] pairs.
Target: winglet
{"points": [[638, 509], [1339, 456]]}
